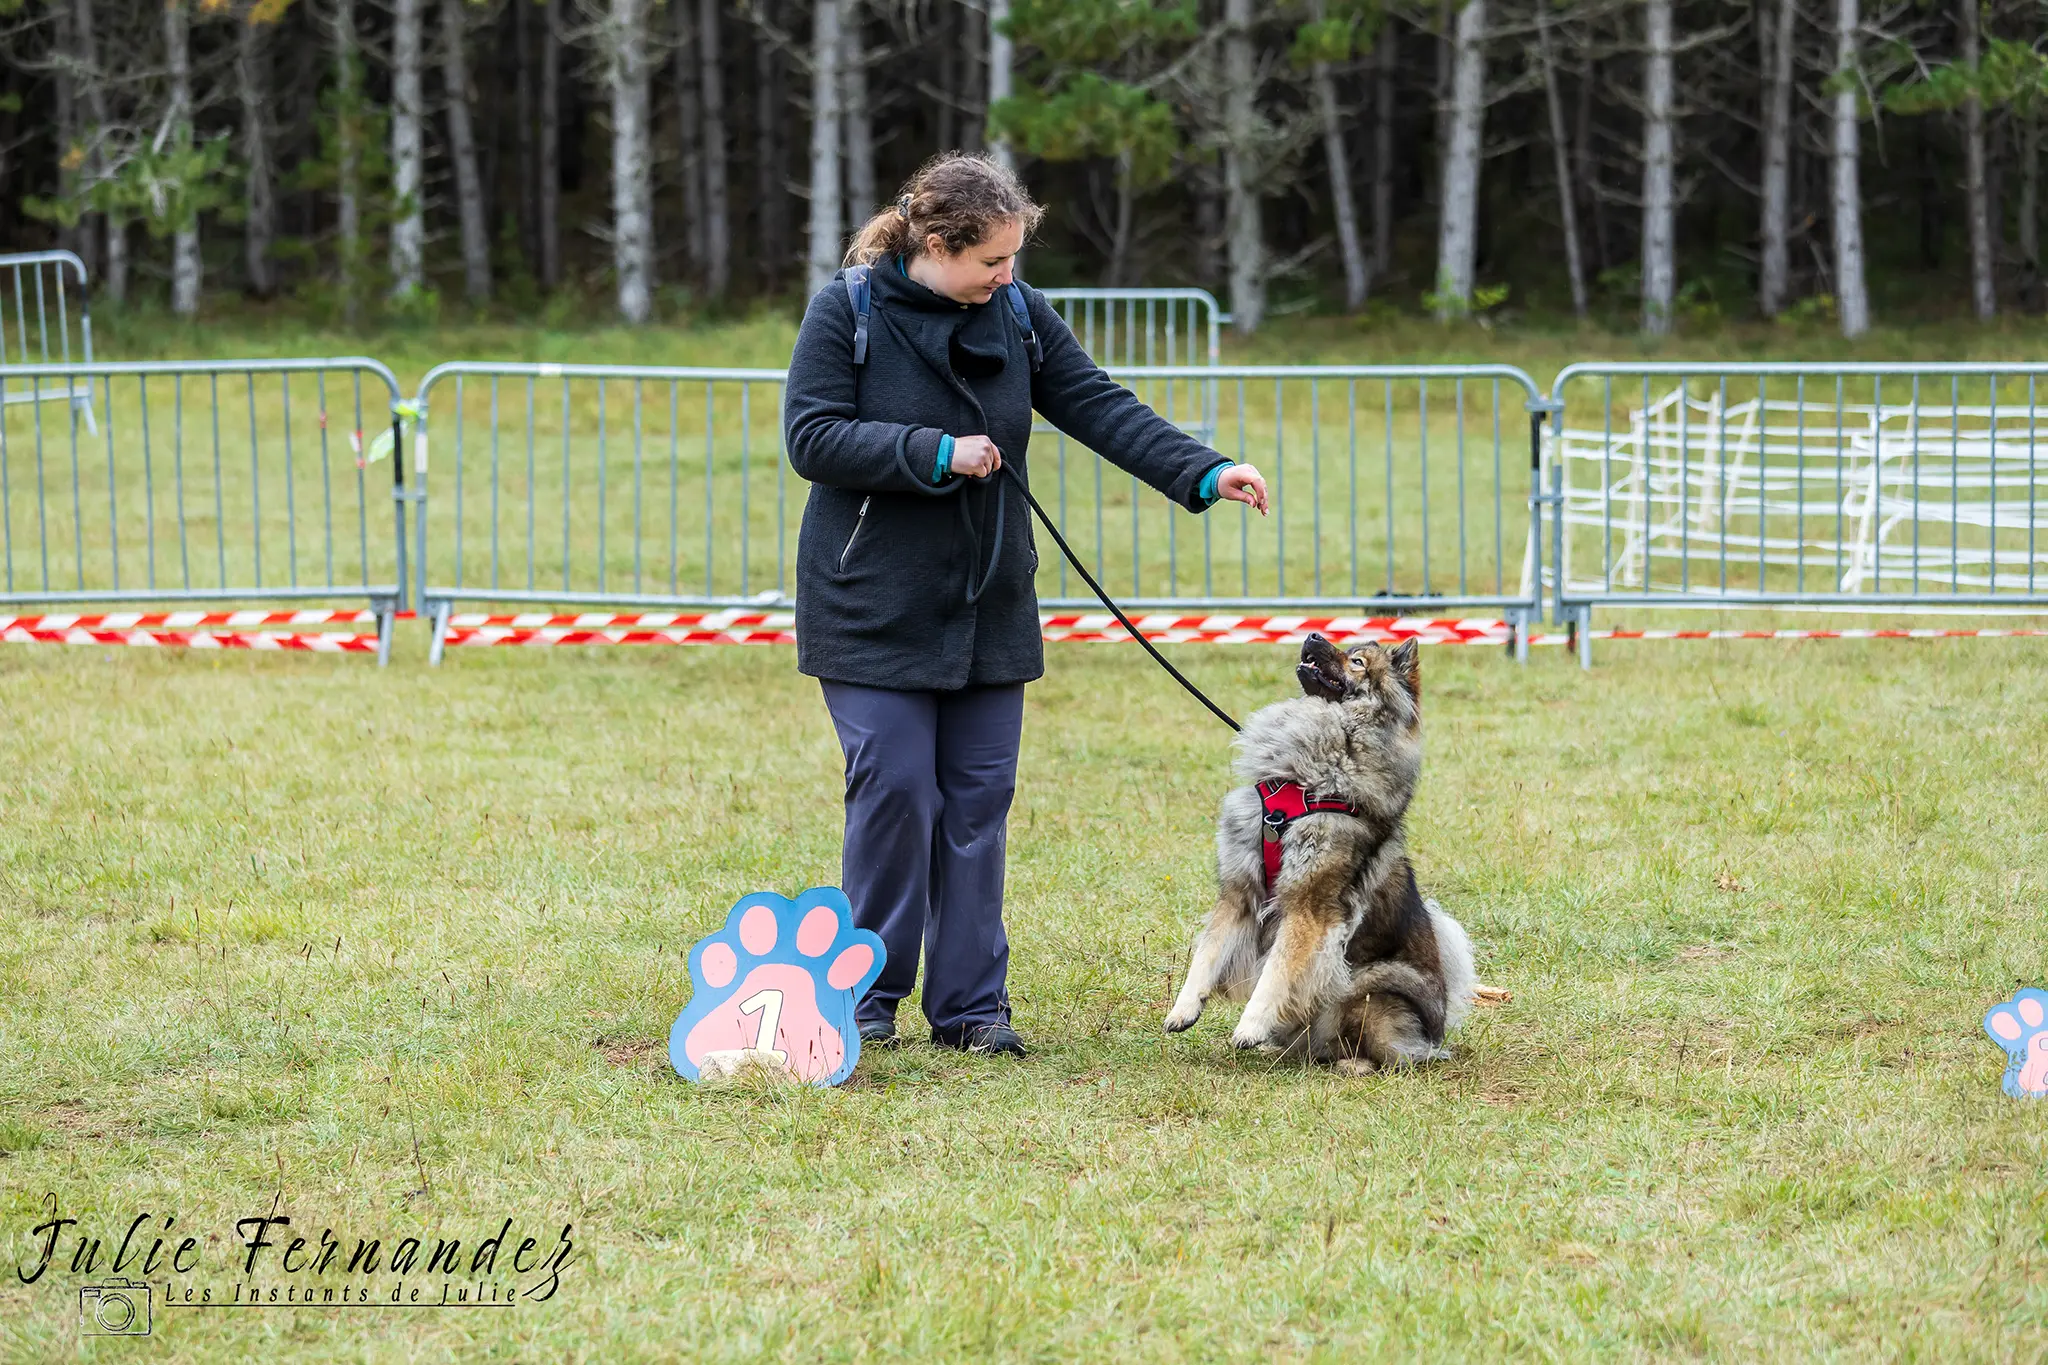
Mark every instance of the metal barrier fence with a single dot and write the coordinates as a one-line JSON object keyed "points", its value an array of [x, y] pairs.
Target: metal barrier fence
{"points": [[1394, 489], [1130, 327], [43, 296], [1904, 486], [201, 482]]}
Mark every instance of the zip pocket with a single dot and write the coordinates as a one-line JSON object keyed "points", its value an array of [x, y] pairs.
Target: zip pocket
{"points": [[859, 521]]}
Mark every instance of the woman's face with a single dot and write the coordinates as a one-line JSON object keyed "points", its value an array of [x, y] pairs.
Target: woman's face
{"points": [[972, 275]]}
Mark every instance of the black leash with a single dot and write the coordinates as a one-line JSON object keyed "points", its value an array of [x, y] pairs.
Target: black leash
{"points": [[1089, 578]]}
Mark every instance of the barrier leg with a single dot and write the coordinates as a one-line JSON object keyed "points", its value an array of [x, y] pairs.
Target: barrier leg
{"points": [[386, 614], [438, 613], [1582, 626]]}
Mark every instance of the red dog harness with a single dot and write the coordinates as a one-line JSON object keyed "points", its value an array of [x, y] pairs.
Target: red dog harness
{"points": [[1284, 803]]}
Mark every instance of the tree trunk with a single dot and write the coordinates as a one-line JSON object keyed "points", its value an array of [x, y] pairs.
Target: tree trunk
{"points": [[1983, 288], [1384, 92], [1120, 236], [348, 223], [1660, 206], [772, 199], [259, 227], [66, 98], [826, 215], [1852, 303], [689, 98], [1458, 221], [1240, 171], [946, 37], [1774, 271], [1343, 205], [409, 229], [1561, 163], [717, 213], [115, 280], [854, 116], [184, 236], [974, 113], [1589, 169], [1002, 59], [523, 99], [469, 189], [2029, 236], [550, 207], [632, 165]]}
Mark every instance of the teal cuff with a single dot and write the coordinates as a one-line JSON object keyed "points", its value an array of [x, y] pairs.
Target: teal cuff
{"points": [[945, 460], [1206, 491]]}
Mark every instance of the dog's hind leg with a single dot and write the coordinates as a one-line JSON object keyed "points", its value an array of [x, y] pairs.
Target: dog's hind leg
{"points": [[1225, 959], [1382, 1028]]}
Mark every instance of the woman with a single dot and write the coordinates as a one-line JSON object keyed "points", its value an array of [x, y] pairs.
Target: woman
{"points": [[914, 605]]}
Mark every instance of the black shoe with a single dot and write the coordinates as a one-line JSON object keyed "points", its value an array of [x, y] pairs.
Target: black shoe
{"points": [[879, 1033], [981, 1038]]}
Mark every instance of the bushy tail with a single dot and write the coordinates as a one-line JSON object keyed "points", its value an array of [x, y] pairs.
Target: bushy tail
{"points": [[1454, 951]]}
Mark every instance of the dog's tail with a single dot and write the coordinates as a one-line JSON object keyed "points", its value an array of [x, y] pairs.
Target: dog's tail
{"points": [[1454, 952]]}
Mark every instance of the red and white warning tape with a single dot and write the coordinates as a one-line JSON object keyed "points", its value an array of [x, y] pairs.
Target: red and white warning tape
{"points": [[318, 642], [191, 620], [245, 630]]}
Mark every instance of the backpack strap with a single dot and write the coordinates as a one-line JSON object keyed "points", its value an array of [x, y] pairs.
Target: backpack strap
{"points": [[858, 294], [1023, 312]]}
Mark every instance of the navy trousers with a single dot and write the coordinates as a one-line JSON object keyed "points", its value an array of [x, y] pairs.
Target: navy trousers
{"points": [[929, 778]]}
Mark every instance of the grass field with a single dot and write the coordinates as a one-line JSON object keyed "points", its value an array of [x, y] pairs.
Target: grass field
{"points": [[398, 952]]}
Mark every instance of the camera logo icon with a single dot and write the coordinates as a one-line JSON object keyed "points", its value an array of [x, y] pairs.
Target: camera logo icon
{"points": [[116, 1308]]}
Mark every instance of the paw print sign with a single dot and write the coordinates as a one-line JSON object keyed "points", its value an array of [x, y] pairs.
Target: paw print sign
{"points": [[2020, 1026], [781, 978]]}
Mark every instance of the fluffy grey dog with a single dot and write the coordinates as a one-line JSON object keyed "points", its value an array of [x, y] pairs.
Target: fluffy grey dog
{"points": [[1341, 957]]}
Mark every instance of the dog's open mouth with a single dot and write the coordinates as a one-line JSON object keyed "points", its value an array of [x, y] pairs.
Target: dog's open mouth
{"points": [[1321, 670]]}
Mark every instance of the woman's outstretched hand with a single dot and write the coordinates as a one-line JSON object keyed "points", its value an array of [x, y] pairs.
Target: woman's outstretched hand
{"points": [[975, 456], [1239, 483]]}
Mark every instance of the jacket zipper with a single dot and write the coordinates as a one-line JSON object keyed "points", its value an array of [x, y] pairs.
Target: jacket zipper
{"points": [[858, 522]]}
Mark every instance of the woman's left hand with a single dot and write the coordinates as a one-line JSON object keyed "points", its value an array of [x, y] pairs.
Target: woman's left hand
{"points": [[1243, 483]]}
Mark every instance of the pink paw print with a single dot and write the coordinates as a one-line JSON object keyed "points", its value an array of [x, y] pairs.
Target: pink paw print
{"points": [[2020, 1026], [782, 977]]}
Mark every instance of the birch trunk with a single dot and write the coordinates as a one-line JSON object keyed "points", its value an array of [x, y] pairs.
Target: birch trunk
{"points": [[1240, 171], [1660, 208], [1002, 57], [1343, 205], [717, 211], [1852, 302], [689, 100], [348, 220], [1774, 271], [632, 166], [65, 91], [409, 230], [973, 44], [94, 78], [1383, 149], [469, 188], [854, 117], [1983, 294], [185, 236], [1458, 222], [826, 214], [770, 194], [1561, 163], [550, 207], [259, 226]]}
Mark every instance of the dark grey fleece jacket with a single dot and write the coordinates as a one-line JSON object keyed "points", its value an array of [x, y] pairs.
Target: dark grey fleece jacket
{"points": [[882, 594]]}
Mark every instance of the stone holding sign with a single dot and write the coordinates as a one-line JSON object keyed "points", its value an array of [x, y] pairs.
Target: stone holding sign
{"points": [[773, 991]]}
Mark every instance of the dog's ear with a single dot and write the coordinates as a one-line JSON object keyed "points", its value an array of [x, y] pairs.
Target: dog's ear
{"points": [[1407, 661]]}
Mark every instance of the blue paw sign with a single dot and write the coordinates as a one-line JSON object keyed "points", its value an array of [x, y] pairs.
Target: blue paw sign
{"points": [[783, 977]]}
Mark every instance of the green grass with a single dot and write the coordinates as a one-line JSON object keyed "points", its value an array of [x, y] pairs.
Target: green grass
{"points": [[399, 951]]}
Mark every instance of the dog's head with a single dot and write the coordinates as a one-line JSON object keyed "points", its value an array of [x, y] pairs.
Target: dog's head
{"points": [[1387, 681]]}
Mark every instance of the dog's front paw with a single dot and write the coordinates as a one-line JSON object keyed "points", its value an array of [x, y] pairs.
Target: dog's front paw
{"points": [[1183, 1015]]}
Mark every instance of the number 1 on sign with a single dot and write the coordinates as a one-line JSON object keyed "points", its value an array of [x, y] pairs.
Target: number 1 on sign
{"points": [[767, 1004]]}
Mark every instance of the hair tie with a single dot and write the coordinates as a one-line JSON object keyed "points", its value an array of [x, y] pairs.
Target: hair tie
{"points": [[903, 208]]}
